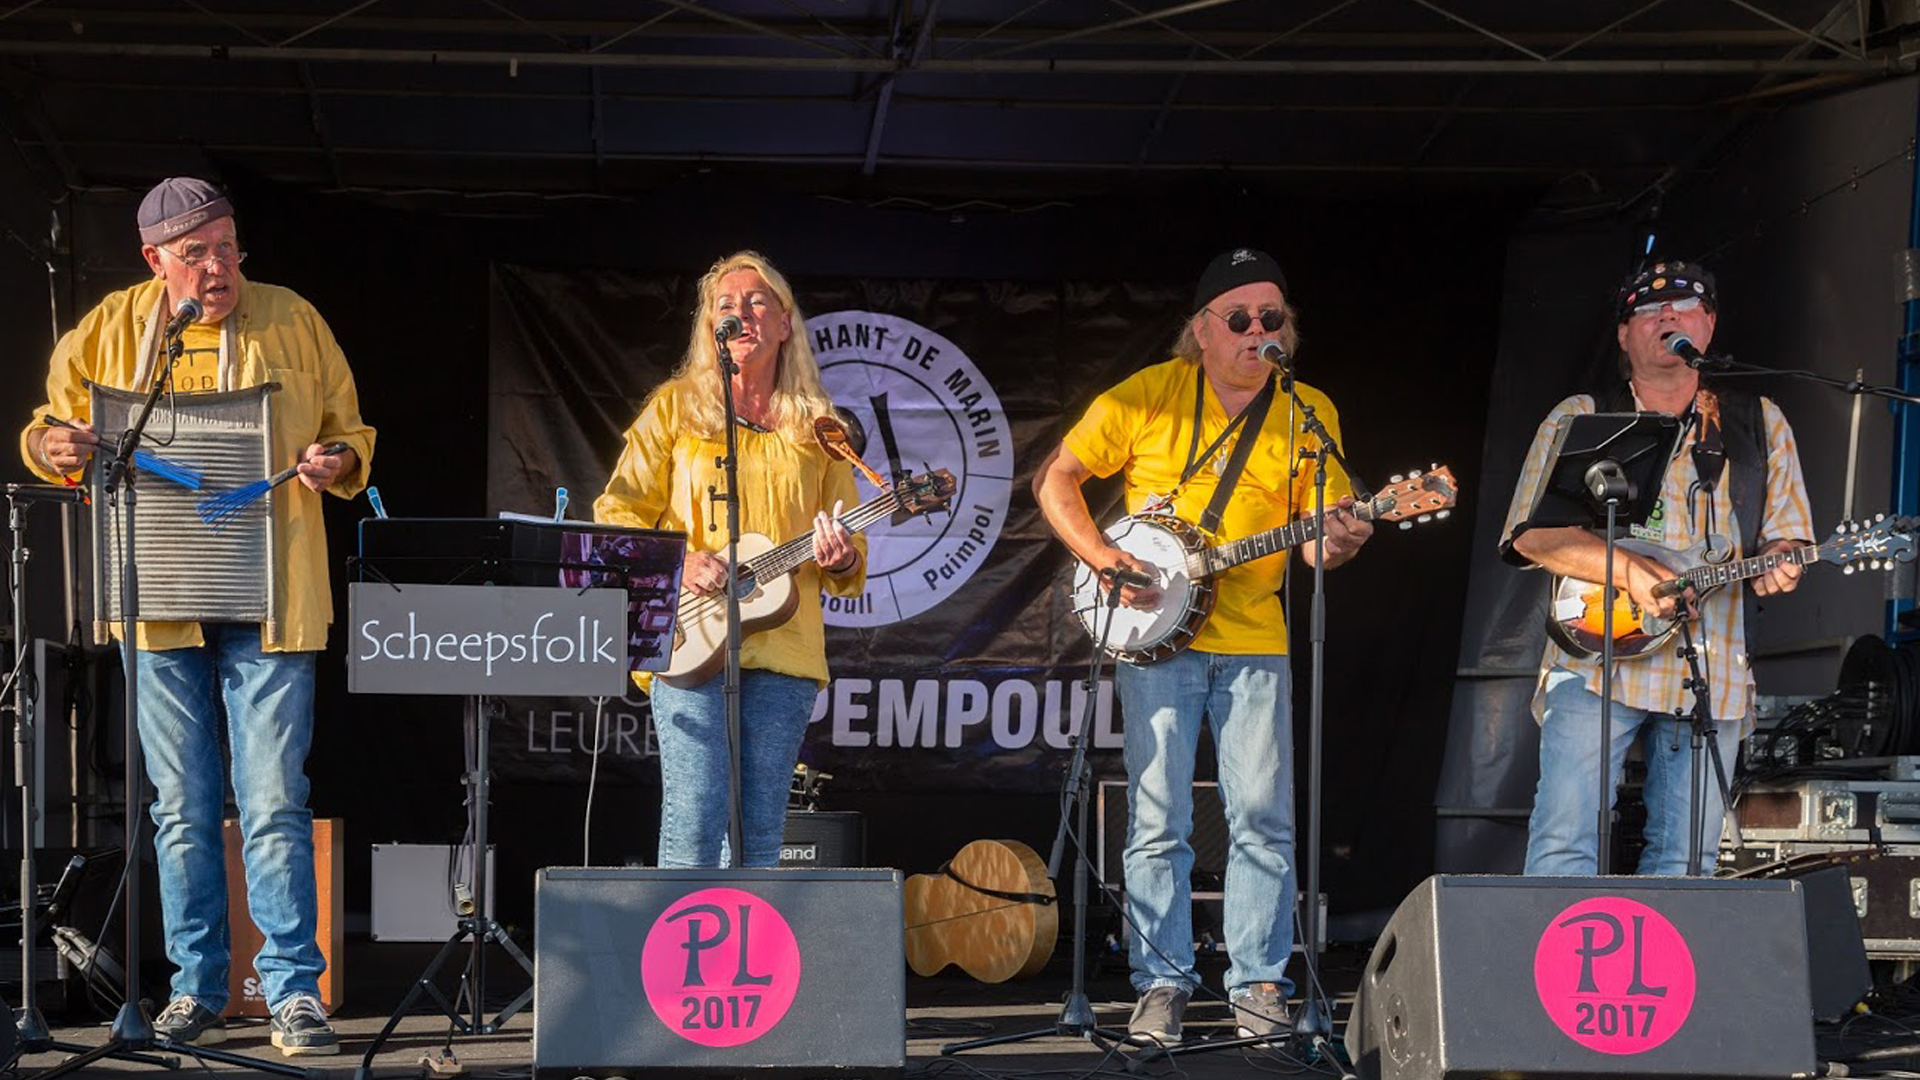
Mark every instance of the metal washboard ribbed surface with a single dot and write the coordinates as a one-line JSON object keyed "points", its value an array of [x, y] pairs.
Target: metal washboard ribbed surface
{"points": [[189, 571]]}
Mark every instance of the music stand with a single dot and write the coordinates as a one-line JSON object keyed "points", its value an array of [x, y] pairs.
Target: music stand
{"points": [[1605, 472], [512, 551]]}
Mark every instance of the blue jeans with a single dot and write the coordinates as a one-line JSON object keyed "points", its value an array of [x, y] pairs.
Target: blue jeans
{"points": [[691, 726], [1562, 834], [269, 727], [1246, 701]]}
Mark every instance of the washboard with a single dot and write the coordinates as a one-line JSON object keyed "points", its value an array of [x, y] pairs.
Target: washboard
{"points": [[189, 571]]}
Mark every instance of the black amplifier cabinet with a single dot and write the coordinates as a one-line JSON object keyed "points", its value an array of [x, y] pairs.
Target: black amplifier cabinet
{"points": [[819, 839]]}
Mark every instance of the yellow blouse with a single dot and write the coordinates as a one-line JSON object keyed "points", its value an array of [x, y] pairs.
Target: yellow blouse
{"points": [[661, 482]]}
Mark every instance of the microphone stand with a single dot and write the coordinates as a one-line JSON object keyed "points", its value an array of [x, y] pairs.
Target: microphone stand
{"points": [[34, 1037], [1608, 484], [1728, 367], [730, 681], [1705, 732], [1076, 1018], [1315, 1021]]}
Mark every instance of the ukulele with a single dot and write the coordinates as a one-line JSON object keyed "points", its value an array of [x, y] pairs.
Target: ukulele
{"points": [[768, 597]]}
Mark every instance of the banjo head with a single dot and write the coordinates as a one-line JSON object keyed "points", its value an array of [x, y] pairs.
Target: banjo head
{"points": [[1134, 633]]}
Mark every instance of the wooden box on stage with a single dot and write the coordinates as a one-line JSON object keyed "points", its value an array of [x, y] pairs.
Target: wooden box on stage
{"points": [[329, 849]]}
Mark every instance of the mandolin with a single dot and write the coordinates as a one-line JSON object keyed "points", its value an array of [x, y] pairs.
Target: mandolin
{"points": [[990, 910], [1576, 620]]}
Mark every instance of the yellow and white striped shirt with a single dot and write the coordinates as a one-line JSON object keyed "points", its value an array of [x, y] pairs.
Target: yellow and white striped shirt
{"points": [[1654, 682]]}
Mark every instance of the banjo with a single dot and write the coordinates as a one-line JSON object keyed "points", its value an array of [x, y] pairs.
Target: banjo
{"points": [[1183, 564]]}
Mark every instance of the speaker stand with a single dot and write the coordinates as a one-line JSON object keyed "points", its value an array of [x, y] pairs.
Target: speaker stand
{"points": [[476, 926]]}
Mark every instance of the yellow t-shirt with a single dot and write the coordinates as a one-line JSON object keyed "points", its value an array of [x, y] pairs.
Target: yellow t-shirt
{"points": [[661, 482], [1144, 428], [198, 369]]}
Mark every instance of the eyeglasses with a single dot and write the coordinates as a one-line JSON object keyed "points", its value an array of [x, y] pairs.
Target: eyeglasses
{"points": [[1682, 305], [1239, 319], [199, 257]]}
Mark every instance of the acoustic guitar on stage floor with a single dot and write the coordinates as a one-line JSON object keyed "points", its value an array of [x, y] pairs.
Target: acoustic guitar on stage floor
{"points": [[1575, 619], [990, 910], [1184, 562]]}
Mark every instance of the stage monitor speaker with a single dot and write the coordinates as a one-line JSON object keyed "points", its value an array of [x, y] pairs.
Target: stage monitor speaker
{"points": [[1839, 973], [798, 973], [824, 838], [1587, 977]]}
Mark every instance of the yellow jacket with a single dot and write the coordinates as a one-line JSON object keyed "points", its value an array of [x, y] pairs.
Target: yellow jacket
{"points": [[661, 483], [280, 338]]}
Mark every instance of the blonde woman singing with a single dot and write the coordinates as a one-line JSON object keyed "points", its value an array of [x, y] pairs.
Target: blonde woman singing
{"points": [[788, 486]]}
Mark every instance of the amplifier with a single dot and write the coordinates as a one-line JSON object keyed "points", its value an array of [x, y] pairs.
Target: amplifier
{"points": [[824, 838], [1209, 842], [711, 973], [1208, 839]]}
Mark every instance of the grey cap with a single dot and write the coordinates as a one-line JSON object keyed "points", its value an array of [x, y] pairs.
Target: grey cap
{"points": [[180, 204]]}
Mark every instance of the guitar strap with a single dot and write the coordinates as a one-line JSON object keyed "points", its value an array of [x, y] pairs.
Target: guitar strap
{"points": [[1253, 416], [1042, 899]]}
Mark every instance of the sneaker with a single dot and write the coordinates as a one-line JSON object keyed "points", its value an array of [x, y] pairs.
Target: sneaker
{"points": [[1261, 1010], [300, 1027], [1156, 1017], [189, 1023]]}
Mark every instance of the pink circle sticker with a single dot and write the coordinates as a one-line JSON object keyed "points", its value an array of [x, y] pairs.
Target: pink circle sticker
{"points": [[720, 967], [1614, 975]]}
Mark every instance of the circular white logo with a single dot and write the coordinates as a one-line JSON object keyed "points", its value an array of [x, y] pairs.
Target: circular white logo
{"points": [[925, 406]]}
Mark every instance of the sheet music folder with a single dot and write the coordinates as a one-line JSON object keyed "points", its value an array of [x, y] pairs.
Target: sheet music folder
{"points": [[567, 554], [1642, 443]]}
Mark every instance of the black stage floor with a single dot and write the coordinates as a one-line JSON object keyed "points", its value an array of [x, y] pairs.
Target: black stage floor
{"points": [[941, 1010]]}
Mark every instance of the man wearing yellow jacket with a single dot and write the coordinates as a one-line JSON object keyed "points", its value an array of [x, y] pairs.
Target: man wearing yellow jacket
{"points": [[248, 334]]}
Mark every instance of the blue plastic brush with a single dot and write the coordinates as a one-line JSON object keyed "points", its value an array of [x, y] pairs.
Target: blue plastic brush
{"points": [[215, 510], [154, 465], [165, 468]]}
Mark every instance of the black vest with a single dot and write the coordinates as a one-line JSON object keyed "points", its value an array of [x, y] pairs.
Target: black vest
{"points": [[1743, 431]]}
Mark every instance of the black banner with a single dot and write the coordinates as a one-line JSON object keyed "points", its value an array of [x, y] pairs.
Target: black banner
{"points": [[960, 666]]}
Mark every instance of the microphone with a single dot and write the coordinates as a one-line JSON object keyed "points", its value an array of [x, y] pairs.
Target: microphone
{"points": [[1683, 347], [1120, 576], [188, 311], [727, 329], [1272, 353]]}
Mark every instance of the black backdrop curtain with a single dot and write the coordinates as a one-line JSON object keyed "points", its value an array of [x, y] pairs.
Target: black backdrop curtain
{"points": [[1399, 300]]}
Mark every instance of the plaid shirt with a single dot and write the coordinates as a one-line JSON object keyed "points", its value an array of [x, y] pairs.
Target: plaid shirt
{"points": [[1654, 682]]}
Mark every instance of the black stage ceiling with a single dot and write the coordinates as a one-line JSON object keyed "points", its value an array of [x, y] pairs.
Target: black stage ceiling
{"points": [[1593, 105]]}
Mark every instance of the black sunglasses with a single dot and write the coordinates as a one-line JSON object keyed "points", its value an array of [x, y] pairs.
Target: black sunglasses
{"points": [[1239, 319]]}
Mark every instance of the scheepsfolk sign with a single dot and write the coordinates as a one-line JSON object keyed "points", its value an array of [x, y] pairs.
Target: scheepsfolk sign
{"points": [[485, 639]]}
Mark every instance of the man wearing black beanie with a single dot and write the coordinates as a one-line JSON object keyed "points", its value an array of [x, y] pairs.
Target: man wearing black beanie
{"points": [[1210, 420]]}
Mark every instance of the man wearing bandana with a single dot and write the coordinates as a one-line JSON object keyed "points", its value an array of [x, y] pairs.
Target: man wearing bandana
{"points": [[1175, 432], [245, 685], [1736, 474]]}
